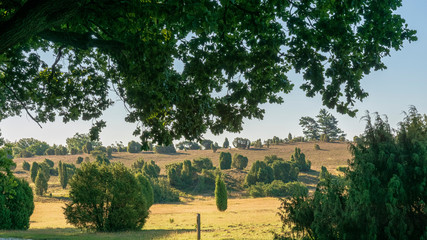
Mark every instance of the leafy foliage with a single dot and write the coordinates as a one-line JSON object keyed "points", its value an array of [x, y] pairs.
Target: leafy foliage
{"points": [[163, 192], [220, 194], [277, 188], [260, 172], [239, 161], [16, 197], [181, 175], [147, 190], [41, 182], [170, 149], [261, 42], [34, 171], [325, 128], [202, 163], [106, 198], [26, 166], [382, 195], [225, 160], [299, 159], [79, 141], [134, 147]]}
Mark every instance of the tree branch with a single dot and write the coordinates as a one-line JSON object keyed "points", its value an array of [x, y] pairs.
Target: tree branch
{"points": [[81, 41], [22, 104], [33, 17]]}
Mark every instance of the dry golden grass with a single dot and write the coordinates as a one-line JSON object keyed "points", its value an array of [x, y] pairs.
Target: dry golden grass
{"points": [[244, 219]]}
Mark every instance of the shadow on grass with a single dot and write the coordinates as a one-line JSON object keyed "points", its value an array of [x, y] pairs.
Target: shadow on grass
{"points": [[174, 154], [73, 233]]}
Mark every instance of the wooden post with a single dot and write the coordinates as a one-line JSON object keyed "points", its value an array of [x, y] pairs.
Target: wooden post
{"points": [[198, 226]]}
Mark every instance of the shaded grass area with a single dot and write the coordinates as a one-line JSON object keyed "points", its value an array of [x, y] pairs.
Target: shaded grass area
{"points": [[73, 233]]}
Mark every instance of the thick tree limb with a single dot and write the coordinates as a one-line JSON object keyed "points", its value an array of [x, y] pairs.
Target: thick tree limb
{"points": [[81, 41], [34, 17]]}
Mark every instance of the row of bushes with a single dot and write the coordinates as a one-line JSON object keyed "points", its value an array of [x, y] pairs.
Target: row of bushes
{"points": [[277, 188]]}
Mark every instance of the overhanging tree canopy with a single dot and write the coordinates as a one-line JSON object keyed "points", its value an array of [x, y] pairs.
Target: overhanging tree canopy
{"points": [[236, 55]]}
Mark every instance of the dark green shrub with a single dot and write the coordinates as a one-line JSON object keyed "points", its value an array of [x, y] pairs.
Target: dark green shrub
{"points": [[16, 196], [147, 189], [220, 194], [202, 163], [296, 189], [163, 192], [26, 166], [53, 172], [257, 190], [34, 171], [102, 159], [79, 160], [382, 195], [299, 159], [260, 172], [46, 170], [41, 183], [225, 160], [49, 162], [137, 166], [316, 147], [206, 181], [284, 171], [16, 205], [239, 161], [134, 147], [151, 169], [188, 173], [173, 172], [165, 149], [342, 169], [106, 198], [65, 173], [181, 175], [276, 188]]}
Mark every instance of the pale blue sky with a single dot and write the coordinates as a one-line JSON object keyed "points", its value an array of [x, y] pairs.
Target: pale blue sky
{"points": [[391, 92]]}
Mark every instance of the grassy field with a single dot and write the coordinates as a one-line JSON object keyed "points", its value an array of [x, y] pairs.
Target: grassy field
{"points": [[245, 218]]}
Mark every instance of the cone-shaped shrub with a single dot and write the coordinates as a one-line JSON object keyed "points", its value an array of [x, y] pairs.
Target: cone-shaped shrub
{"points": [[220, 194]]}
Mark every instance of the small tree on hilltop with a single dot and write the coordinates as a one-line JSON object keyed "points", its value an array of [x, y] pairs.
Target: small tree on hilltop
{"points": [[225, 160], [226, 143], [220, 194]]}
